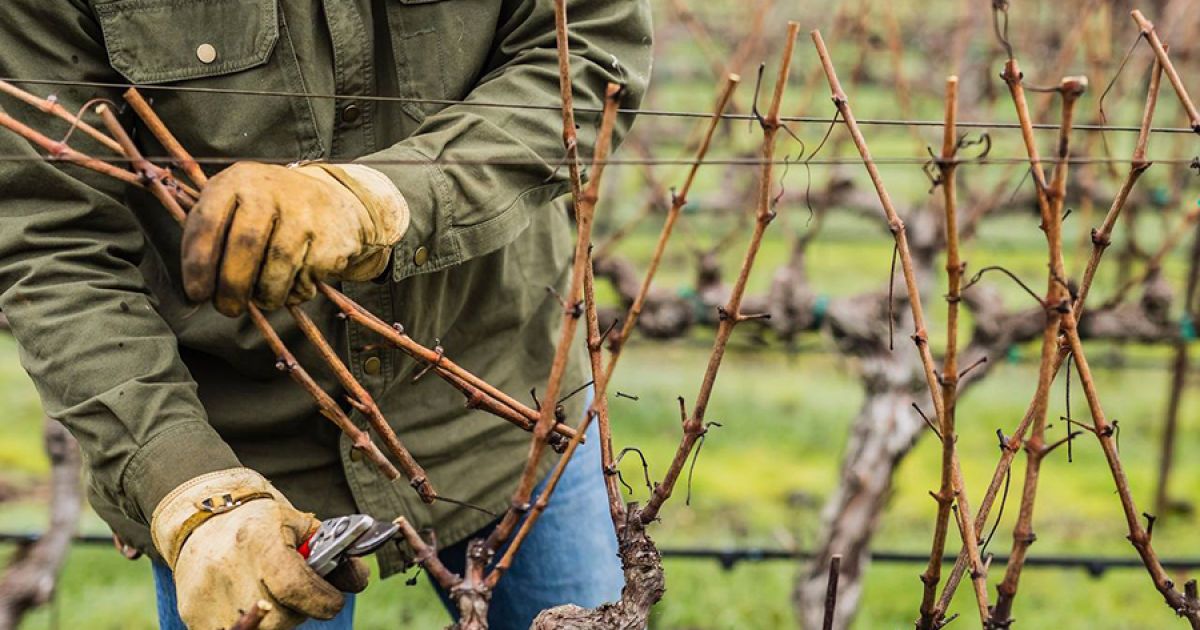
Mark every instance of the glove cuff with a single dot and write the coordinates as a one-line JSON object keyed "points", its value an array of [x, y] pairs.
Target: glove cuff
{"points": [[387, 211], [195, 501], [385, 203]]}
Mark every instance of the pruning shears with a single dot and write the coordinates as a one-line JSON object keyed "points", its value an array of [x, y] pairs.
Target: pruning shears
{"points": [[344, 537]]}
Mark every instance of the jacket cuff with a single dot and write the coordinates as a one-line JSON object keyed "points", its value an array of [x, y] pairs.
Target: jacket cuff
{"points": [[170, 458]]}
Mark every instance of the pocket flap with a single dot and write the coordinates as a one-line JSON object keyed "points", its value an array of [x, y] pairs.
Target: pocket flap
{"points": [[156, 41]]}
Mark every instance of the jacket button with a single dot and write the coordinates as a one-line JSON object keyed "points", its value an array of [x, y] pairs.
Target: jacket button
{"points": [[355, 455], [206, 53], [421, 256], [372, 366], [351, 113]]}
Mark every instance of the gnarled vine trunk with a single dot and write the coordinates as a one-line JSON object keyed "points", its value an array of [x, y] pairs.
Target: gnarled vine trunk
{"points": [[32, 576], [644, 587]]}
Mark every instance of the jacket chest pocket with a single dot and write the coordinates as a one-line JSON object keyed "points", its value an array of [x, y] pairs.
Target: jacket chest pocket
{"points": [[441, 48], [239, 48]]}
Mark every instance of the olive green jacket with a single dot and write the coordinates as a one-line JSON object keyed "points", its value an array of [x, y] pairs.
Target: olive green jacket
{"points": [[158, 390]]}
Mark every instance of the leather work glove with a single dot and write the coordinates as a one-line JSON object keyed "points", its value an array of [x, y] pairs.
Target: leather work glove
{"points": [[269, 233], [230, 537]]}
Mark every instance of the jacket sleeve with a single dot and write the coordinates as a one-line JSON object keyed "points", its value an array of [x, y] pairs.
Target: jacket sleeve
{"points": [[463, 207], [103, 360]]}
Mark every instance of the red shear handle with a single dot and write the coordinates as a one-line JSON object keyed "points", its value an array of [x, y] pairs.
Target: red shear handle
{"points": [[305, 548]]}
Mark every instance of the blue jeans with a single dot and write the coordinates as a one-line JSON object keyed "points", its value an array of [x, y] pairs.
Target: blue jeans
{"points": [[570, 557]]}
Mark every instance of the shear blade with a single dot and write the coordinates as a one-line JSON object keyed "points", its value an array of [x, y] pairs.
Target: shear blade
{"points": [[372, 539]]}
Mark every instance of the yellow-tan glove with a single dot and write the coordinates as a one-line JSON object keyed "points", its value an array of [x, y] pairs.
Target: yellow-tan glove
{"points": [[269, 233], [230, 538]]}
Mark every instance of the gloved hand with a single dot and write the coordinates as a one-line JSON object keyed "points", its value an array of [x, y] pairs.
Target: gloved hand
{"points": [[230, 537], [269, 233]]}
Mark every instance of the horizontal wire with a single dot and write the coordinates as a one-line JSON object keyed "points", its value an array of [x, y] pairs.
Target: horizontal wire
{"points": [[820, 120], [1094, 565], [730, 556], [895, 161]]}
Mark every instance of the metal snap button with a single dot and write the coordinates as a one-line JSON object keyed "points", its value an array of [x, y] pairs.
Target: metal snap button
{"points": [[206, 53], [372, 366], [421, 256], [351, 113]]}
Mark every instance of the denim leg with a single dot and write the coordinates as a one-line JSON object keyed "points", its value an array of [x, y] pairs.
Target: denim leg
{"points": [[570, 556], [168, 606]]}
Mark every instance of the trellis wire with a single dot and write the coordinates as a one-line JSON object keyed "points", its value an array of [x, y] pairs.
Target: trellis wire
{"points": [[847, 161], [729, 557], [820, 120]]}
